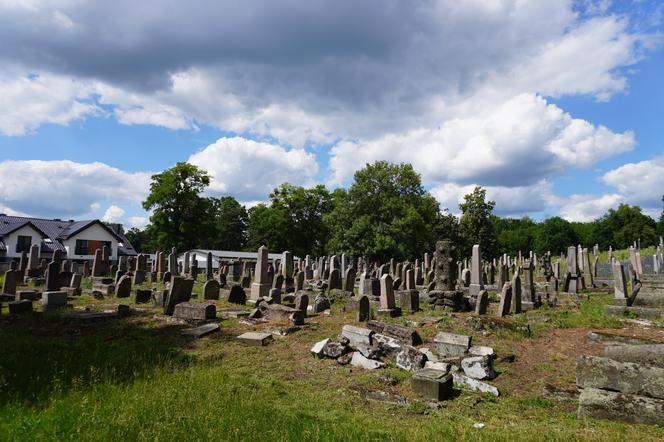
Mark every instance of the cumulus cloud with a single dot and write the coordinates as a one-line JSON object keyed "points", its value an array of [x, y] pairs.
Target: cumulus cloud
{"points": [[250, 170], [66, 188], [641, 183], [586, 208], [517, 143], [138, 222], [113, 214]]}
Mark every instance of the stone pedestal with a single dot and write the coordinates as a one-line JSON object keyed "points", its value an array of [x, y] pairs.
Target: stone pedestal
{"points": [[51, 300], [259, 290], [391, 312], [409, 300], [434, 385]]}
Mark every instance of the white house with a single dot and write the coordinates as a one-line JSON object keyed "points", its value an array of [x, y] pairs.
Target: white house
{"points": [[77, 239]]}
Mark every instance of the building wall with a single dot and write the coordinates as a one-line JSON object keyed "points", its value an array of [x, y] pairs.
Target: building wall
{"points": [[11, 240], [93, 233]]}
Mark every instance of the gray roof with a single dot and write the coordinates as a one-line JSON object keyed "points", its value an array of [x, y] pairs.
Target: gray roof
{"points": [[56, 230], [229, 254]]}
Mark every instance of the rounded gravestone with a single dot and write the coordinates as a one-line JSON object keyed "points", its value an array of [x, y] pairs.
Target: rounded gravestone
{"points": [[123, 289], [211, 289]]}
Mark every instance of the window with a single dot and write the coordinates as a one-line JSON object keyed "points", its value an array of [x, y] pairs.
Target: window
{"points": [[23, 243], [88, 246], [81, 247]]}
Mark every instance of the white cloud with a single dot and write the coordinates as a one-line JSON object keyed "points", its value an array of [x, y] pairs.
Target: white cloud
{"points": [[138, 222], [516, 143], [250, 170], [113, 214], [65, 188], [27, 102], [641, 183], [588, 207]]}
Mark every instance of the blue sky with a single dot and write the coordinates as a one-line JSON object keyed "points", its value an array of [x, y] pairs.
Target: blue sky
{"points": [[556, 107]]}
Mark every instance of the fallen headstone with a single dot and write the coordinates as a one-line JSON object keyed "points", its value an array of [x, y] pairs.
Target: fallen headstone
{"points": [[255, 339], [201, 331]]}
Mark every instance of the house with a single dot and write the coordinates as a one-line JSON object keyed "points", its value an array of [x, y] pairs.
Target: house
{"points": [[77, 239]]}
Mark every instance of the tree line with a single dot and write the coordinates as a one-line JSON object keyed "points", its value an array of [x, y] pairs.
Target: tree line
{"points": [[385, 213]]}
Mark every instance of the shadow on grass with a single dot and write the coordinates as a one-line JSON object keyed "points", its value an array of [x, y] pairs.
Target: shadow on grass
{"points": [[45, 355]]}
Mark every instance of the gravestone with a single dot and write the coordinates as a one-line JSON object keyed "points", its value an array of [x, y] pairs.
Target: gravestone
{"points": [[237, 295], [180, 291], [482, 303], [9, 284], [211, 289], [299, 281], [53, 277], [33, 261], [620, 295], [528, 295], [123, 288], [349, 279], [363, 309], [302, 302], [97, 265], [410, 298], [572, 278], [208, 267], [505, 300], [334, 281], [476, 280], [517, 295], [387, 304]]}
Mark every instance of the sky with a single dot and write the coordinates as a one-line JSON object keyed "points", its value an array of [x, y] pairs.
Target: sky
{"points": [[555, 107]]}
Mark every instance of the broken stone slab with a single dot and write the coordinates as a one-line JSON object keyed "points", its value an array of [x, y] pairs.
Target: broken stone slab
{"points": [[450, 344], [434, 385], [203, 330], [614, 338], [463, 381], [317, 349], [279, 312], [383, 396], [236, 313], [603, 404], [255, 339], [358, 337], [626, 377], [143, 296], [335, 349], [409, 358], [388, 345], [646, 354], [478, 367], [561, 392], [359, 360], [440, 366], [20, 307], [479, 350], [190, 311], [640, 312], [404, 334], [30, 295], [431, 356], [51, 300]]}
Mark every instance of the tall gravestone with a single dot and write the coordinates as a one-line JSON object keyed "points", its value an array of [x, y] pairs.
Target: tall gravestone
{"points": [[97, 265], [334, 280], [349, 279], [476, 280], [572, 278], [619, 284], [387, 303], [9, 283], [363, 309], [261, 284], [208, 267]]}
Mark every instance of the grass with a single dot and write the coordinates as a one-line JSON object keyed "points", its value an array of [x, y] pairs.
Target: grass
{"points": [[139, 379]]}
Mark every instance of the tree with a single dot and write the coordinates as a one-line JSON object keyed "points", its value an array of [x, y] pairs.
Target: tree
{"points": [[140, 240], [475, 225], [514, 235], [386, 213], [180, 216], [621, 227], [304, 209], [267, 226], [660, 224], [230, 224], [555, 235]]}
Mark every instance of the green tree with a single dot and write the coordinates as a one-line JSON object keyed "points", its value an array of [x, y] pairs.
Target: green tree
{"points": [[475, 226], [621, 227], [386, 213], [514, 235], [180, 215], [140, 240], [660, 224], [304, 209], [267, 226], [230, 224], [555, 235]]}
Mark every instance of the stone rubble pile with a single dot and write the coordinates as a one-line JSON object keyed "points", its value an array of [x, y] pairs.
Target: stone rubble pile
{"points": [[451, 360]]}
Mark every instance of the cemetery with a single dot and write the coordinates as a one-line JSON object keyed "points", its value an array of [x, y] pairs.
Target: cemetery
{"points": [[271, 345]]}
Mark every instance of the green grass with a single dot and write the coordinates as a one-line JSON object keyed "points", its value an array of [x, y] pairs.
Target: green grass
{"points": [[139, 379]]}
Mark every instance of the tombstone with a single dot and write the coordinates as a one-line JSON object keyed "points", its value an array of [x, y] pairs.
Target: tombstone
{"points": [[287, 262], [222, 280], [180, 291], [528, 294], [505, 300], [278, 281], [97, 264], [517, 294], [410, 298], [363, 309], [572, 278], [53, 277], [23, 265], [185, 263], [299, 281], [465, 277], [237, 295], [57, 257], [476, 281], [211, 289], [619, 283], [75, 282], [482, 303], [33, 261], [387, 304], [194, 268], [166, 277], [208, 267], [123, 288], [302, 302], [9, 284], [334, 281], [349, 279], [106, 258]]}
